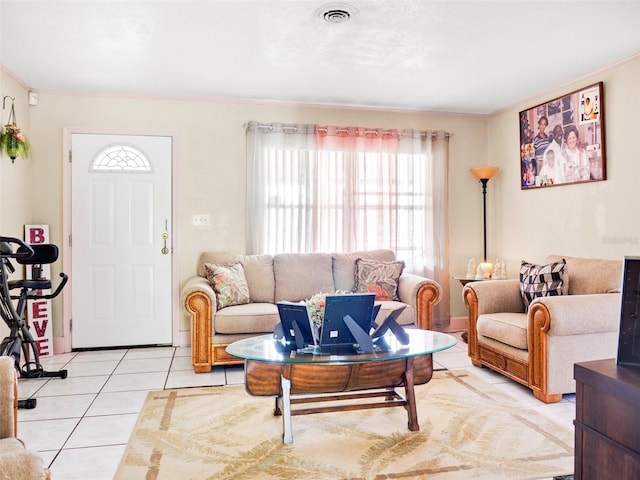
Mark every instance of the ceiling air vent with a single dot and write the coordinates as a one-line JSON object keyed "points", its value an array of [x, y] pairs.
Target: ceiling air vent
{"points": [[336, 12]]}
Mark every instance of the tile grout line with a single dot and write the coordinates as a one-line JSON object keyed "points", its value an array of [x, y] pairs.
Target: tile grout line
{"points": [[84, 414]]}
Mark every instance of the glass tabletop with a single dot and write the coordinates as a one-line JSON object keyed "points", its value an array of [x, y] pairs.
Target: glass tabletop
{"points": [[267, 349]]}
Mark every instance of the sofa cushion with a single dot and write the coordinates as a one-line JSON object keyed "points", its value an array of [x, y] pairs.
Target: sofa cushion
{"points": [[543, 280], [378, 277], [229, 283], [298, 276], [249, 318], [344, 266], [258, 270], [509, 328], [592, 275]]}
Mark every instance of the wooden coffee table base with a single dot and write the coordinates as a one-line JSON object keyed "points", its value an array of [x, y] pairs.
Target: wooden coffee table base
{"points": [[347, 386]]}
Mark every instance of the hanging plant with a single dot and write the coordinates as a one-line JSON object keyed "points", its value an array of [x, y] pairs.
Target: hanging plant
{"points": [[12, 141]]}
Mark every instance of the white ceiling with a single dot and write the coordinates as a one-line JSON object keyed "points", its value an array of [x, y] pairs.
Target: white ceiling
{"points": [[449, 56]]}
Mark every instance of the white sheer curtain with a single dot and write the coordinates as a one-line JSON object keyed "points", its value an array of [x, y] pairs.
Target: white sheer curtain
{"points": [[280, 164], [326, 189]]}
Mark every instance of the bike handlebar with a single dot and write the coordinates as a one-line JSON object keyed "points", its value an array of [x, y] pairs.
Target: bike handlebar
{"points": [[58, 289], [10, 253]]}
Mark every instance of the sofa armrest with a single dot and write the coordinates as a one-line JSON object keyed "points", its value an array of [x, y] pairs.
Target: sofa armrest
{"points": [[198, 299], [196, 284], [577, 314], [422, 294]]}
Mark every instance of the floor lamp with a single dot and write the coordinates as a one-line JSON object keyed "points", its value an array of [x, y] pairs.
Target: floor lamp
{"points": [[484, 174]]}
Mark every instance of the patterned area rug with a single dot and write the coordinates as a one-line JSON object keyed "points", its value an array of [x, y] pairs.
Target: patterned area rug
{"points": [[468, 430]]}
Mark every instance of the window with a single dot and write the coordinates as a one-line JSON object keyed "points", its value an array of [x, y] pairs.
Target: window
{"points": [[333, 189], [120, 158]]}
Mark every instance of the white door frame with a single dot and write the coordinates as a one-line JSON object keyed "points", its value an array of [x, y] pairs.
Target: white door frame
{"points": [[66, 346]]}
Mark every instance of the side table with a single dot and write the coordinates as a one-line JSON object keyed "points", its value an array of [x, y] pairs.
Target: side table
{"points": [[463, 281]]}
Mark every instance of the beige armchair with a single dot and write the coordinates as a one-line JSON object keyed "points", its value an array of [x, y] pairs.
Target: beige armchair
{"points": [[538, 346], [16, 462]]}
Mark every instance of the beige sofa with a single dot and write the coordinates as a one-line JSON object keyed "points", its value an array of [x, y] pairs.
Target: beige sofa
{"points": [[538, 346], [291, 277], [16, 462]]}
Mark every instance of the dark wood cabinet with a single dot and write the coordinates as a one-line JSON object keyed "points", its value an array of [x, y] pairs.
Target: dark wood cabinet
{"points": [[607, 424]]}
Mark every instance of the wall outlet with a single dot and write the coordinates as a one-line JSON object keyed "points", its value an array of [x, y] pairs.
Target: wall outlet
{"points": [[201, 220]]}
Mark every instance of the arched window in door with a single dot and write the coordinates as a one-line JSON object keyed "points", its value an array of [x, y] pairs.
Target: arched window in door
{"points": [[120, 158]]}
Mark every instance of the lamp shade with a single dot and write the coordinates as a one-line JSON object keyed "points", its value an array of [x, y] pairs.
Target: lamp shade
{"points": [[484, 172]]}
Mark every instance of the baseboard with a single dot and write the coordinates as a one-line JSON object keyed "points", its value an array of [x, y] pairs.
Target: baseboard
{"points": [[184, 338], [456, 324]]}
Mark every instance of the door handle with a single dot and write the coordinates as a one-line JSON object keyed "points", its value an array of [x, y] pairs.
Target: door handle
{"points": [[165, 250]]}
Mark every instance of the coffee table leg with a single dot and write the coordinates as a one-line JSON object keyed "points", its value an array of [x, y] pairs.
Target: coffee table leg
{"points": [[411, 396], [287, 436]]}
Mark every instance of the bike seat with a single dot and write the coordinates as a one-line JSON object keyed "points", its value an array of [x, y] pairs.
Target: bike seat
{"points": [[42, 254]]}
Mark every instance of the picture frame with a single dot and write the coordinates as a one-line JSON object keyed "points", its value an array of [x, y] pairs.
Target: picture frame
{"points": [[577, 119]]}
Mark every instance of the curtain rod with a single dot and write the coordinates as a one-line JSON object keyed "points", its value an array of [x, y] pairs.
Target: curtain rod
{"points": [[294, 128]]}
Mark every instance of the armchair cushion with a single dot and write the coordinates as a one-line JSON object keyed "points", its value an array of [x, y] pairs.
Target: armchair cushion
{"points": [[508, 328], [543, 280]]}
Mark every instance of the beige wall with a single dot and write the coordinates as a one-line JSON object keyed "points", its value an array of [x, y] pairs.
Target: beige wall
{"points": [[598, 219], [15, 179], [210, 161]]}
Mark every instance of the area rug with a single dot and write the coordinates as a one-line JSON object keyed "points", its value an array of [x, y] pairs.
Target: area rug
{"points": [[468, 430]]}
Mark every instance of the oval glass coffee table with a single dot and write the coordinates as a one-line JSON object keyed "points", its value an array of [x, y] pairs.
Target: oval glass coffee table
{"points": [[339, 381]]}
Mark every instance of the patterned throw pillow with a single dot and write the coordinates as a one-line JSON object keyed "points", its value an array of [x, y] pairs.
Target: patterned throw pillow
{"points": [[543, 280], [380, 278], [229, 283]]}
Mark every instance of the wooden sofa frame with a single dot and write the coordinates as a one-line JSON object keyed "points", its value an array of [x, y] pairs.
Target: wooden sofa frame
{"points": [[206, 355]]}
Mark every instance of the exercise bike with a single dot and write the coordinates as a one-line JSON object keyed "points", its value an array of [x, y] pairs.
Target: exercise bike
{"points": [[20, 343]]}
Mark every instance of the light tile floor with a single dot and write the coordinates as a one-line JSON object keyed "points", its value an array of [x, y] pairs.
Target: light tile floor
{"points": [[81, 424]]}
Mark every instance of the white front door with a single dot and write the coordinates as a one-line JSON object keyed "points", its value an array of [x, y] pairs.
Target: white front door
{"points": [[120, 240]]}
